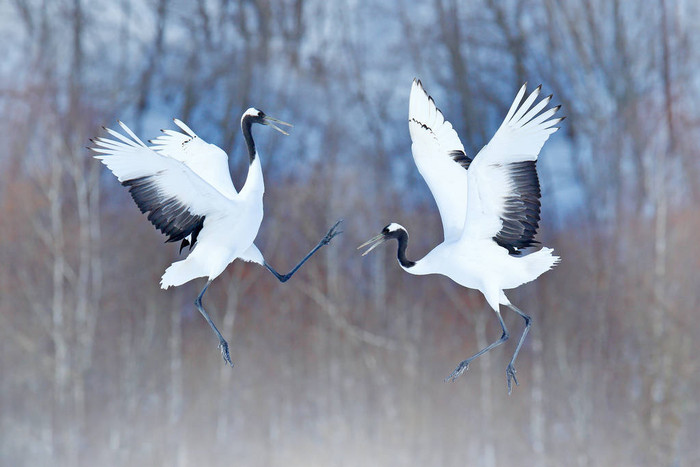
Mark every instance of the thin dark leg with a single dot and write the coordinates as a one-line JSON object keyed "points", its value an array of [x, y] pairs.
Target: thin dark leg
{"points": [[510, 370], [223, 345], [324, 241], [463, 366]]}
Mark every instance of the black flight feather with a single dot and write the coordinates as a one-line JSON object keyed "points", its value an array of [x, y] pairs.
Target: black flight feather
{"points": [[521, 215], [169, 215]]}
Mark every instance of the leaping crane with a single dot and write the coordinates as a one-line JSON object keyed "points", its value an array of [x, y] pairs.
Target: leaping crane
{"points": [[184, 185], [489, 205]]}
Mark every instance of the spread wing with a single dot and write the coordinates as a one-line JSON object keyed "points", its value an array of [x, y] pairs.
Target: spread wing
{"points": [[440, 158], [206, 160], [176, 199], [504, 190]]}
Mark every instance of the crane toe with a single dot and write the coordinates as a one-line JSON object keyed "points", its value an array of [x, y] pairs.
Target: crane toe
{"points": [[223, 346], [333, 232], [461, 368], [510, 375]]}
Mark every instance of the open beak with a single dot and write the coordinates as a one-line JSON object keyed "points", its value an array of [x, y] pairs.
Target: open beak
{"points": [[271, 121], [373, 243]]}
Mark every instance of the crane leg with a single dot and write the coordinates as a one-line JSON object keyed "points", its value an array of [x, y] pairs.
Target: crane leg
{"points": [[510, 370], [223, 345], [464, 365], [324, 241]]}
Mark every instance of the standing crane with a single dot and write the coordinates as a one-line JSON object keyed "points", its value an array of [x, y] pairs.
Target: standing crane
{"points": [[489, 205], [184, 185]]}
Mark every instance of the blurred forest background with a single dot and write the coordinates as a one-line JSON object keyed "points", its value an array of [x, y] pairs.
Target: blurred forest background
{"points": [[344, 365]]}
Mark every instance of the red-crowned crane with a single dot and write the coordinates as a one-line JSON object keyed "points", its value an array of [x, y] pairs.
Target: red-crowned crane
{"points": [[184, 185], [489, 205]]}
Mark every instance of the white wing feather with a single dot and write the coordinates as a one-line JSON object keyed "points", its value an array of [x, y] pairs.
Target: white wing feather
{"points": [[206, 160], [493, 184], [171, 179], [437, 151]]}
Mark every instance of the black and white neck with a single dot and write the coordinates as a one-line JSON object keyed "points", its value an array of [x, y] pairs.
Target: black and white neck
{"points": [[252, 115], [401, 235]]}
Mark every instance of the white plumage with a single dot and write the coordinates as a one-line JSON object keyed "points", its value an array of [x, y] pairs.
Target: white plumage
{"points": [[184, 185], [489, 204], [167, 174], [208, 161]]}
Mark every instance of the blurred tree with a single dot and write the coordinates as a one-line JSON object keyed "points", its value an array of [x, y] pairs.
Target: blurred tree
{"points": [[343, 365]]}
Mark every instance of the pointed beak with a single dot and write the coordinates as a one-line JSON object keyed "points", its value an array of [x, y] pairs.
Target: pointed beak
{"points": [[271, 122], [373, 243]]}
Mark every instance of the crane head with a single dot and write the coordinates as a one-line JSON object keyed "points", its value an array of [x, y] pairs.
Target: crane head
{"points": [[258, 116], [392, 230]]}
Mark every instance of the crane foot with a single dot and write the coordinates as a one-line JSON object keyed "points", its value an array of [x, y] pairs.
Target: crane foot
{"points": [[461, 368], [510, 375], [223, 346]]}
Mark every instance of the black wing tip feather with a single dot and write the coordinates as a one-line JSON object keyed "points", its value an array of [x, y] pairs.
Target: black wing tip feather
{"points": [[168, 215], [461, 158], [423, 125], [193, 238], [184, 243], [521, 215], [432, 101], [419, 83]]}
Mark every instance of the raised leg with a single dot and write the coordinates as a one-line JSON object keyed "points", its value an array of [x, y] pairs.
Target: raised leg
{"points": [[324, 241], [223, 345], [510, 370], [464, 365]]}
